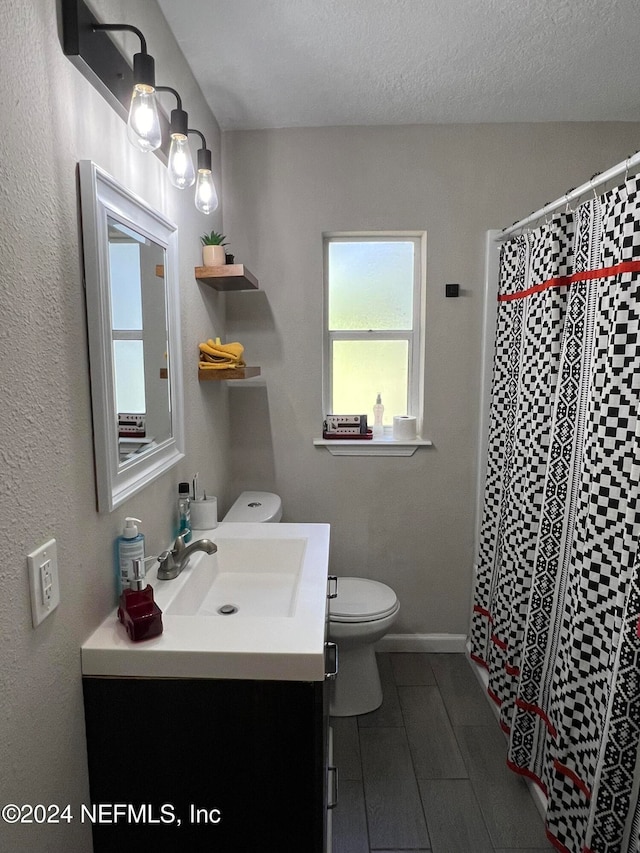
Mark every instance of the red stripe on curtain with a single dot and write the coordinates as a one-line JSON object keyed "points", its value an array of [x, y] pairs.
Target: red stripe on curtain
{"points": [[482, 612], [566, 280], [566, 771], [527, 706], [493, 696], [557, 844]]}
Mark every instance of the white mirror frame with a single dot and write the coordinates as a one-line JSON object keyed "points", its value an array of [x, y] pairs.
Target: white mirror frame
{"points": [[102, 196]]}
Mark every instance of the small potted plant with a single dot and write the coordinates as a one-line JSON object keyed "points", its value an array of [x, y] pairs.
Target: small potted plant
{"points": [[213, 254]]}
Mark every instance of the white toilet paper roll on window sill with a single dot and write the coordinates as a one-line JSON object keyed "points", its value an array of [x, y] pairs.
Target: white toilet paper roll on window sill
{"points": [[404, 428]]}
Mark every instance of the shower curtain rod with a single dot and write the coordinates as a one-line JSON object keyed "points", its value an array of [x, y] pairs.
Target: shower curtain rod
{"points": [[573, 194]]}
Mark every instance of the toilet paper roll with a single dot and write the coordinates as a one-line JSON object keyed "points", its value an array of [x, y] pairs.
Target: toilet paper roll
{"points": [[204, 514], [404, 427]]}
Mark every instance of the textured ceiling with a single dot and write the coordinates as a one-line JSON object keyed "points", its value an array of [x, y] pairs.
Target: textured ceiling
{"points": [[306, 63]]}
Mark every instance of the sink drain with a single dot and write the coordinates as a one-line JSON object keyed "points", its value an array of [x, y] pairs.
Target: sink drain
{"points": [[227, 609]]}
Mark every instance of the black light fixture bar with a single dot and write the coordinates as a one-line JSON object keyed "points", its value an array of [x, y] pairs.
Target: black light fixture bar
{"points": [[98, 58]]}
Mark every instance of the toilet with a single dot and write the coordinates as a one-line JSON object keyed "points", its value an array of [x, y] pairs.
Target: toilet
{"points": [[361, 613]]}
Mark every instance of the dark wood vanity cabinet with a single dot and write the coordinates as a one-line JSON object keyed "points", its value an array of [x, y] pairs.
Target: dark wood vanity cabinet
{"points": [[219, 765]]}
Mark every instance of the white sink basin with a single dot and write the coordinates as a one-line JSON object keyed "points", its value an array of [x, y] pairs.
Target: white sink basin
{"points": [[244, 578], [272, 577]]}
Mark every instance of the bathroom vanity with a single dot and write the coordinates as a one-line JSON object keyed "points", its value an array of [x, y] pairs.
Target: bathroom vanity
{"points": [[215, 735]]}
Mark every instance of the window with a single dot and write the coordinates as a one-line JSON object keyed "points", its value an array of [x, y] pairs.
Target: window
{"points": [[374, 312]]}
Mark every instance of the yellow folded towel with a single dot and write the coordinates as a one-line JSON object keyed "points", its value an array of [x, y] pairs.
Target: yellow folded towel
{"points": [[215, 355]]}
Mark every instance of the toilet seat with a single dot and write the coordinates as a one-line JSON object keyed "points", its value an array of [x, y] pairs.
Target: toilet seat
{"points": [[362, 600]]}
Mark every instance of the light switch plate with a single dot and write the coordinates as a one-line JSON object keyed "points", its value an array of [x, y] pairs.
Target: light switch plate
{"points": [[43, 581]]}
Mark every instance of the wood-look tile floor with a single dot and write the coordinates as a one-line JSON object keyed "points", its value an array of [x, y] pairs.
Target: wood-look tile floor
{"points": [[426, 771]]}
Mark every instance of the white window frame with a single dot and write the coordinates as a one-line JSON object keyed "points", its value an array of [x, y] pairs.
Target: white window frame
{"points": [[414, 336]]}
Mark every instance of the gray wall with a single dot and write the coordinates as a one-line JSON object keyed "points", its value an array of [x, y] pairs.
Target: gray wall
{"points": [[52, 117], [407, 522]]}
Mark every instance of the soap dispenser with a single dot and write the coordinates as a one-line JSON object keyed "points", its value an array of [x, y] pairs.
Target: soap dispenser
{"points": [[138, 610]]}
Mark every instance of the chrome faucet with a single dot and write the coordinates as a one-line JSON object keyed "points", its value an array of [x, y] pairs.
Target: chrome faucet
{"points": [[171, 563]]}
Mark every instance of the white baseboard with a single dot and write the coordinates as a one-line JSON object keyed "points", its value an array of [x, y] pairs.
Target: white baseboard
{"points": [[422, 643]]}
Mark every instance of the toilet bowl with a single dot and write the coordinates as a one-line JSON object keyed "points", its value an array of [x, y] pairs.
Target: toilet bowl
{"points": [[360, 614]]}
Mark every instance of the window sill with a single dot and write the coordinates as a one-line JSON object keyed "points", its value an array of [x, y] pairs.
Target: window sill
{"points": [[387, 446]]}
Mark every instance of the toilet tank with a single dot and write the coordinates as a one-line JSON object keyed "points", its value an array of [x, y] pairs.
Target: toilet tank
{"points": [[256, 506]]}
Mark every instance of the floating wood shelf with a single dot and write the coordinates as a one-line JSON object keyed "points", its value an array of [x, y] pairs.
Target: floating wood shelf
{"points": [[228, 277], [205, 375]]}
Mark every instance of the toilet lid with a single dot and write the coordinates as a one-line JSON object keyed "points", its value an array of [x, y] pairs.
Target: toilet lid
{"points": [[362, 600]]}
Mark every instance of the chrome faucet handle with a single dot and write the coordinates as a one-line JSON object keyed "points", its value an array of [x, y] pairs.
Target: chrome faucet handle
{"points": [[179, 545], [167, 568]]}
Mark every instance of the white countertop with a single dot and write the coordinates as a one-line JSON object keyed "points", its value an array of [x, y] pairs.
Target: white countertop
{"points": [[287, 647]]}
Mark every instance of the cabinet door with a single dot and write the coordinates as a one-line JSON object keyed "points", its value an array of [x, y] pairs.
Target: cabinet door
{"points": [[240, 765]]}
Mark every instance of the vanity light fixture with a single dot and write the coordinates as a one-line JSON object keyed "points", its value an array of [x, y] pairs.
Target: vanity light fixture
{"points": [[182, 173], [132, 93], [206, 195], [89, 47], [143, 123]]}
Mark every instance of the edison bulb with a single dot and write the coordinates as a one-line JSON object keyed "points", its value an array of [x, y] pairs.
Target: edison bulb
{"points": [[182, 173], [206, 195], [143, 125]]}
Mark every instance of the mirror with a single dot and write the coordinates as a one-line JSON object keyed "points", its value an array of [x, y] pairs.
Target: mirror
{"points": [[131, 281]]}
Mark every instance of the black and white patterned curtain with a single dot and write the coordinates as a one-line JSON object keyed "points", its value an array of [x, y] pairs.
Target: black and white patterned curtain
{"points": [[557, 594]]}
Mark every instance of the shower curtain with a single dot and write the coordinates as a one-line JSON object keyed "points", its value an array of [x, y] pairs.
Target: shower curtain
{"points": [[557, 592]]}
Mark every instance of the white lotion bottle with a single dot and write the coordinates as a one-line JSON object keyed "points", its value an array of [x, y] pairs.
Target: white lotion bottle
{"points": [[378, 412]]}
